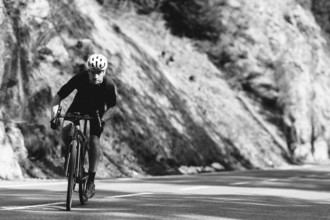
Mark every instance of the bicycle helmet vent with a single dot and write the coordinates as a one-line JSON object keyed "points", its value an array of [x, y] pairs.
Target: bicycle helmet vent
{"points": [[97, 62]]}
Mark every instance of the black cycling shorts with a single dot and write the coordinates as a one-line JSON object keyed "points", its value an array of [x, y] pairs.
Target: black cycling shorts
{"points": [[94, 127]]}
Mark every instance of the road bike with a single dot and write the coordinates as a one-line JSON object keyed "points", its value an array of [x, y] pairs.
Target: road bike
{"points": [[76, 158]]}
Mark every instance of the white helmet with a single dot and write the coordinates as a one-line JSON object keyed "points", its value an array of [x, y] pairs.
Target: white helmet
{"points": [[97, 62]]}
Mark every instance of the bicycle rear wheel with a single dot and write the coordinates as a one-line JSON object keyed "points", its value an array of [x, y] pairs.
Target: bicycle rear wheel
{"points": [[71, 173], [82, 195]]}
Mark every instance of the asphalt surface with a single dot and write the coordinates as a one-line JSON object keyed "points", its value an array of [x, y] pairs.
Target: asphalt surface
{"points": [[297, 193]]}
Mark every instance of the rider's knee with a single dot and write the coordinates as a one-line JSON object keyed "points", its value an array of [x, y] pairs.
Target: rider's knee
{"points": [[67, 133], [94, 141]]}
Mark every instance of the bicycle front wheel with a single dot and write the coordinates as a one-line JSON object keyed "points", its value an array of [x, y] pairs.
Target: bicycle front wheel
{"points": [[71, 173]]}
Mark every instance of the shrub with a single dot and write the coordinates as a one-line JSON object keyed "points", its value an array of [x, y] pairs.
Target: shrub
{"points": [[200, 19]]}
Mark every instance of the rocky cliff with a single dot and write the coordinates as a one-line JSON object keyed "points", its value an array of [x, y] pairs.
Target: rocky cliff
{"points": [[204, 86]]}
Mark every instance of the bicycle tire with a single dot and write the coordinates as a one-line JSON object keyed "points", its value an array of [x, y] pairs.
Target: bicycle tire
{"points": [[82, 185], [71, 173]]}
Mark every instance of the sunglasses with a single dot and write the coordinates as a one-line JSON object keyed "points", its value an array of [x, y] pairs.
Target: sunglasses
{"points": [[96, 71]]}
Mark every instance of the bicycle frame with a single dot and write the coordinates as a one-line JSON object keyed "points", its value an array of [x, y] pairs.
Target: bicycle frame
{"points": [[81, 139], [75, 170], [75, 158]]}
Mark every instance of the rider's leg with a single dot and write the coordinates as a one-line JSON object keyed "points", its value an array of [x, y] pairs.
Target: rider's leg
{"points": [[67, 133], [94, 153]]}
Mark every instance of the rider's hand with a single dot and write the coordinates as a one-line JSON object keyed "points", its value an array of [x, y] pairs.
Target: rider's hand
{"points": [[55, 123], [101, 126]]}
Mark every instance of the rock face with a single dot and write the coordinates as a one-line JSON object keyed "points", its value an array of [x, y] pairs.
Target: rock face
{"points": [[277, 54], [12, 151], [248, 91]]}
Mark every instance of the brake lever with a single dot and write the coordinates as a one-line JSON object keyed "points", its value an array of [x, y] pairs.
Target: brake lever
{"points": [[58, 113], [99, 119]]}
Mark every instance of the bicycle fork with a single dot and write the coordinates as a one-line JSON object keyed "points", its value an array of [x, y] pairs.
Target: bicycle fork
{"points": [[67, 160], [77, 173]]}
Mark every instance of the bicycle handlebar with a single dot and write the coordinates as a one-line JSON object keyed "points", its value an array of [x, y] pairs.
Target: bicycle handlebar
{"points": [[77, 117]]}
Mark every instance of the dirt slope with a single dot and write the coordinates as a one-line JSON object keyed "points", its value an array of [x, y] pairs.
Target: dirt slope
{"points": [[182, 107]]}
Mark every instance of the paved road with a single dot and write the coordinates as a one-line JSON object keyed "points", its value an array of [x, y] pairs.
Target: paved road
{"points": [[299, 193]]}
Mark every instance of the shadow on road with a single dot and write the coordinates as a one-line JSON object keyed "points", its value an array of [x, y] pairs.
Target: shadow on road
{"points": [[284, 179], [167, 206], [248, 195]]}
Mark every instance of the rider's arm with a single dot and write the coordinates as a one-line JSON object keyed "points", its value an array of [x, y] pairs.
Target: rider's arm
{"points": [[71, 85], [111, 94], [66, 89], [111, 99], [55, 104]]}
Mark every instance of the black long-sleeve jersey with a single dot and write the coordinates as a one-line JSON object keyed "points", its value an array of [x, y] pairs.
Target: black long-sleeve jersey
{"points": [[89, 97]]}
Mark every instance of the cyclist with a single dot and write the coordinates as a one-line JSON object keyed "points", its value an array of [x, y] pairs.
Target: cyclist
{"points": [[95, 91]]}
